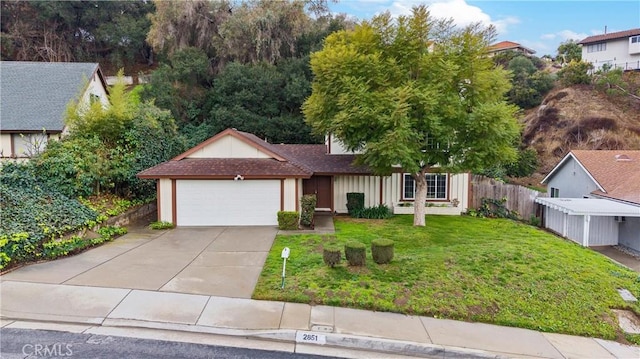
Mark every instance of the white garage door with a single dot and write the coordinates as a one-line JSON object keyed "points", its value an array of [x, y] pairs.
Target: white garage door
{"points": [[227, 203]]}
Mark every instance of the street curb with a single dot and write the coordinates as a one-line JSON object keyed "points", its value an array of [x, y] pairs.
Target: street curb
{"points": [[336, 340]]}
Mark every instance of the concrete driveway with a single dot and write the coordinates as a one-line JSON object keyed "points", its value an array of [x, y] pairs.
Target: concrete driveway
{"points": [[218, 261]]}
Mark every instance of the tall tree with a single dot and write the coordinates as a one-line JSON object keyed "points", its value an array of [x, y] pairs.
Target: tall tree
{"points": [[176, 25], [413, 92], [75, 31], [569, 51]]}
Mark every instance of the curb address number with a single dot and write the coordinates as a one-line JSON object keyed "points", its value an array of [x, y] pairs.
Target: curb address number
{"points": [[311, 337]]}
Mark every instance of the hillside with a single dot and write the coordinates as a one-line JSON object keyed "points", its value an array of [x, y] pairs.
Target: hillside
{"points": [[581, 117]]}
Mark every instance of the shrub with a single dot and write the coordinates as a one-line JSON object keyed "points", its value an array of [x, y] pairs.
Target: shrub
{"points": [[525, 165], [161, 225], [355, 202], [377, 212], [575, 73], [331, 256], [308, 204], [535, 221], [382, 250], [494, 208], [55, 249], [355, 252], [110, 232], [288, 220]]}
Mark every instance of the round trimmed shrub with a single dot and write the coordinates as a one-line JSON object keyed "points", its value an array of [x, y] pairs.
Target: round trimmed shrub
{"points": [[355, 253], [331, 256], [382, 250]]}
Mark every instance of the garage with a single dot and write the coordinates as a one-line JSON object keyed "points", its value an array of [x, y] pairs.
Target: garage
{"points": [[227, 202]]}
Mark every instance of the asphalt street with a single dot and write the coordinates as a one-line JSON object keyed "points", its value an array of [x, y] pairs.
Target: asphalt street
{"points": [[21, 343]]}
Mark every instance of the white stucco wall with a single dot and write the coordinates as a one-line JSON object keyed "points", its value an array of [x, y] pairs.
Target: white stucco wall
{"points": [[619, 53], [228, 147], [165, 200]]}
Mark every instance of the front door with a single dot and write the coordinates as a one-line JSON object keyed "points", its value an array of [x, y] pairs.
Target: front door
{"points": [[321, 187]]}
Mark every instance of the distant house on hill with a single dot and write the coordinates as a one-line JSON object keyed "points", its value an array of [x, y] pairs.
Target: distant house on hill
{"points": [[505, 46], [34, 98], [595, 198], [616, 49]]}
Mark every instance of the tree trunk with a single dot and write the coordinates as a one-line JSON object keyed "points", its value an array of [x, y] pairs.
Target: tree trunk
{"points": [[420, 198]]}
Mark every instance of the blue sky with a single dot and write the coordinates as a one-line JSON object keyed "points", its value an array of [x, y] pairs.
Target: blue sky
{"points": [[539, 25]]}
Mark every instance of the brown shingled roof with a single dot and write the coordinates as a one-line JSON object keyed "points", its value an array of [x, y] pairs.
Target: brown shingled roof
{"points": [[315, 157], [610, 36], [288, 161], [224, 168], [617, 171]]}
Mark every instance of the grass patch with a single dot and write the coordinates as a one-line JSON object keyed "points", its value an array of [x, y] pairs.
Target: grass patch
{"points": [[458, 267]]}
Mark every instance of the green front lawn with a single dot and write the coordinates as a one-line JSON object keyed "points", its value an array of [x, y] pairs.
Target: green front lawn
{"points": [[459, 267]]}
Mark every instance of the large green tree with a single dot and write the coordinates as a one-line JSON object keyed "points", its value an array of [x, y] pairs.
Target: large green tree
{"points": [[99, 31], [413, 92], [569, 51]]}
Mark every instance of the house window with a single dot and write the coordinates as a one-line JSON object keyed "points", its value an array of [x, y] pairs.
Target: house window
{"points": [[93, 98], [555, 192], [634, 39], [597, 47], [436, 186]]}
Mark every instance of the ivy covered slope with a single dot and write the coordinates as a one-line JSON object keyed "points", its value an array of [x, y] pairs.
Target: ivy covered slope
{"points": [[33, 214]]}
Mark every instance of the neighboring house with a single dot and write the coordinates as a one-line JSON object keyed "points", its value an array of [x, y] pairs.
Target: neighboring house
{"points": [[617, 49], [236, 178], [595, 198], [505, 46], [34, 97]]}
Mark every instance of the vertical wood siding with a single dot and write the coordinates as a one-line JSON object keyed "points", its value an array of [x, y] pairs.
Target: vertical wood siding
{"points": [[166, 205], [554, 220], [603, 231], [369, 185], [391, 190]]}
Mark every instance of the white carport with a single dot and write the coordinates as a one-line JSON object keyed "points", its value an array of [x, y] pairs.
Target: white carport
{"points": [[587, 221]]}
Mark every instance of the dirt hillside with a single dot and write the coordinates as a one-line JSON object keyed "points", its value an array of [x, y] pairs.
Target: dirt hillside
{"points": [[581, 117]]}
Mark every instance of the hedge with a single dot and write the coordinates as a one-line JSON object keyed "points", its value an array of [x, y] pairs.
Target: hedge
{"points": [[288, 220]]}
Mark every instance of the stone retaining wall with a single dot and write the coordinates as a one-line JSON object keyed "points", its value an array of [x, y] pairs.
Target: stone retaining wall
{"points": [[133, 215]]}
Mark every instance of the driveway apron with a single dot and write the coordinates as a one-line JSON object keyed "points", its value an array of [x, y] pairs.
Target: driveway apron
{"points": [[219, 261]]}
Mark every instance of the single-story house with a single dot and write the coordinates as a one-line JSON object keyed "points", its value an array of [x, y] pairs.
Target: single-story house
{"points": [[236, 178], [595, 198], [34, 99]]}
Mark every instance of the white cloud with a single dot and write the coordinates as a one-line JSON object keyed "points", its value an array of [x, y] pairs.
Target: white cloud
{"points": [[462, 13], [571, 35], [548, 36]]}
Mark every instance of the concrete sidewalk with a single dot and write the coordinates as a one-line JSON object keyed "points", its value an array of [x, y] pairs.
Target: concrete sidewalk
{"points": [[297, 327]]}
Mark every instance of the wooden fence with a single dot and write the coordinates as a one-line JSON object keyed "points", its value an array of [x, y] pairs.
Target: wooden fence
{"points": [[519, 198]]}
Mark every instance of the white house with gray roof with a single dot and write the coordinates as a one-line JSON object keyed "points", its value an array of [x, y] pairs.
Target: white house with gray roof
{"points": [[34, 97]]}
